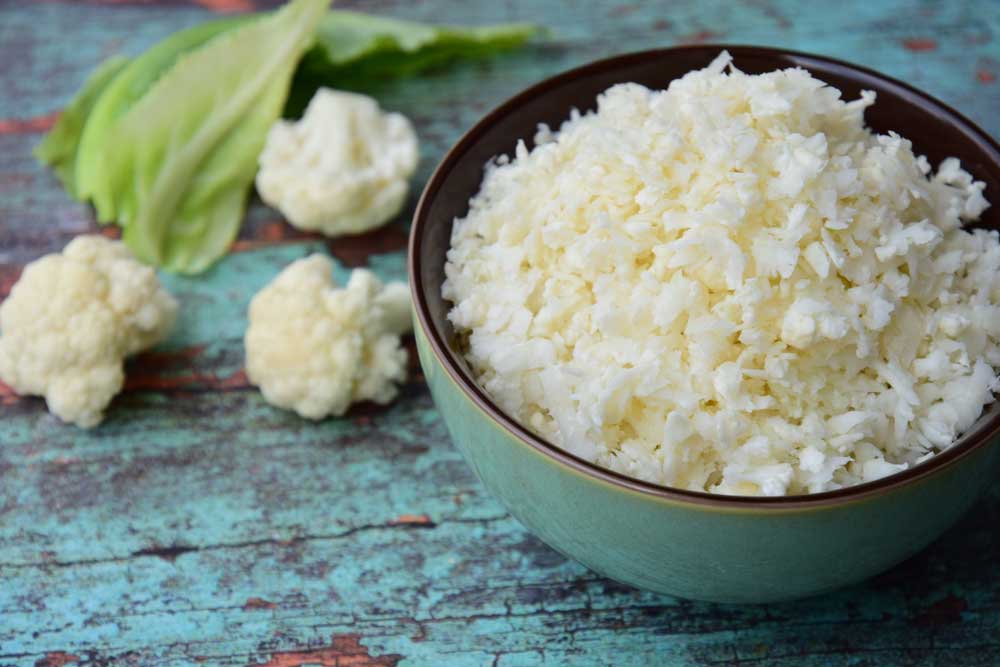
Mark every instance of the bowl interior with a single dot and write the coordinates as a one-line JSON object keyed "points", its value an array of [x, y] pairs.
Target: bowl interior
{"points": [[935, 130]]}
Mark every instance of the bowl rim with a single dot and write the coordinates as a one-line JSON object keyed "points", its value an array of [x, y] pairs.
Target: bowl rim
{"points": [[936, 464]]}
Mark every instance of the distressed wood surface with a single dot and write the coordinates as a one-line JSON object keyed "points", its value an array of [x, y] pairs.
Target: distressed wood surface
{"points": [[199, 525]]}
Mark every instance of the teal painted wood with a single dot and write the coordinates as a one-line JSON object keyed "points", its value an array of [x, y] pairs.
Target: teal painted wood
{"points": [[199, 525]]}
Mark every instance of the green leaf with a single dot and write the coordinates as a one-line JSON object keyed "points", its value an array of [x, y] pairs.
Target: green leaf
{"points": [[58, 149], [166, 144], [184, 156], [370, 44], [355, 50], [129, 86]]}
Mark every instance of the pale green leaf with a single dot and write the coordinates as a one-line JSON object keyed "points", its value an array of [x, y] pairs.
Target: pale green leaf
{"points": [[355, 51], [186, 152], [129, 86]]}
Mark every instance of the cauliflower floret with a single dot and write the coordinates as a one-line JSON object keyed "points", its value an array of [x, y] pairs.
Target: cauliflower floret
{"points": [[343, 169], [71, 320], [316, 349]]}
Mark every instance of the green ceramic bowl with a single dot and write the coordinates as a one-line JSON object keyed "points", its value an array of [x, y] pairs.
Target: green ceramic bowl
{"points": [[695, 545]]}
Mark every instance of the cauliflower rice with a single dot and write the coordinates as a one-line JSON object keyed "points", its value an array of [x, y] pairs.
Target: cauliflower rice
{"points": [[730, 285]]}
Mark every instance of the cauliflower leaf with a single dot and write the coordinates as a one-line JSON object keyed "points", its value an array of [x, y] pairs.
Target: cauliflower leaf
{"points": [[187, 149], [95, 140], [352, 38], [186, 152], [354, 51]]}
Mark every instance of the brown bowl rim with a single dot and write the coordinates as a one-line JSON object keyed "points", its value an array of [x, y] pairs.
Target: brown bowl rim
{"points": [[934, 465]]}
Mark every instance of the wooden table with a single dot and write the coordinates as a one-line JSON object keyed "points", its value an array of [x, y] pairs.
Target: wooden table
{"points": [[200, 525]]}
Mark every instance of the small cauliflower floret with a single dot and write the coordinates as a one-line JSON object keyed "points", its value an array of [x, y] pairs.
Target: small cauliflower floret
{"points": [[315, 349], [343, 169], [71, 320]]}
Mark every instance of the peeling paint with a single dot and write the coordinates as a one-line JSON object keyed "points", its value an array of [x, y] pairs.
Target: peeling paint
{"points": [[258, 603], [227, 6], [354, 251], [28, 125], [269, 234], [7, 395], [920, 44], [8, 276], [412, 520], [189, 382], [344, 651], [158, 360], [57, 659]]}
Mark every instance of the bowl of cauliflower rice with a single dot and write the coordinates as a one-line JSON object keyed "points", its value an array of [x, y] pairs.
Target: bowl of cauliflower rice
{"points": [[719, 322]]}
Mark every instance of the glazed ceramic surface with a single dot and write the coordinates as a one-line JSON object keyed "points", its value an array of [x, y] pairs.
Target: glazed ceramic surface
{"points": [[691, 544]]}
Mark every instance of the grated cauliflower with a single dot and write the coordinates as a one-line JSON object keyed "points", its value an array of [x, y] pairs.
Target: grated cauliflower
{"points": [[343, 169], [316, 349], [731, 286], [71, 320]]}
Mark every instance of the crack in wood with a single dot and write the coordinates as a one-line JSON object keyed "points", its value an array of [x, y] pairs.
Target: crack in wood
{"points": [[172, 552]]}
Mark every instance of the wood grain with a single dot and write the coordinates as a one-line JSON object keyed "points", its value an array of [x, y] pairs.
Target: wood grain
{"points": [[200, 526]]}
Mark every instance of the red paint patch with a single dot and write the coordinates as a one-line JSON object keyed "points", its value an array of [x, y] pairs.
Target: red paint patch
{"points": [[165, 370], [28, 125], [700, 37], [56, 659], [7, 395], [191, 381], [157, 361], [274, 231], [411, 520], [986, 76], [920, 44], [225, 6], [8, 276], [354, 251], [237, 380], [271, 233], [661, 24], [946, 611], [257, 603], [343, 651]]}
